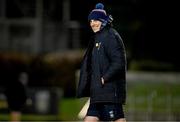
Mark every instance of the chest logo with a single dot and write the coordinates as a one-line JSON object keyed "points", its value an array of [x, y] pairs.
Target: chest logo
{"points": [[98, 45]]}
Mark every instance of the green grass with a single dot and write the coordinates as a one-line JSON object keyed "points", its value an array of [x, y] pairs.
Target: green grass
{"points": [[162, 89], [163, 97], [70, 108], [5, 117]]}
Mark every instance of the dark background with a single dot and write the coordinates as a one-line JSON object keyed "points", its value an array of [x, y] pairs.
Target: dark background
{"points": [[149, 28], [48, 37]]}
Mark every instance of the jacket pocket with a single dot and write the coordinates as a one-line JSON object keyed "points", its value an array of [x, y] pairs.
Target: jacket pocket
{"points": [[103, 62]]}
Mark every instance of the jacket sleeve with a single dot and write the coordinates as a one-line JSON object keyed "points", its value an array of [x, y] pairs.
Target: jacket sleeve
{"points": [[115, 51]]}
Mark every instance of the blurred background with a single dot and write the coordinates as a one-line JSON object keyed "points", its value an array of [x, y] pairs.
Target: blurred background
{"points": [[42, 43]]}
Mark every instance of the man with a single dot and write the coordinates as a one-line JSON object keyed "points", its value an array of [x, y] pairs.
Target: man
{"points": [[12, 86], [102, 75]]}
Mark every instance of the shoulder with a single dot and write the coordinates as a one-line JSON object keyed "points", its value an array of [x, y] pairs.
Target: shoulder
{"points": [[108, 32], [113, 32]]}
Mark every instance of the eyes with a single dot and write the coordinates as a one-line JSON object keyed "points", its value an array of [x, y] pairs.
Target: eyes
{"points": [[95, 22]]}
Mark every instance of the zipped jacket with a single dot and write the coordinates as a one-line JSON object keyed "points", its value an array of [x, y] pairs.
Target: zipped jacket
{"points": [[108, 61]]}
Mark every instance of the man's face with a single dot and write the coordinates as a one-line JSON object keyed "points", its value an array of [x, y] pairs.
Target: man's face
{"points": [[95, 25]]}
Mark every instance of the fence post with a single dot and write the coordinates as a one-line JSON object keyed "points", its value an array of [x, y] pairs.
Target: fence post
{"points": [[150, 104]]}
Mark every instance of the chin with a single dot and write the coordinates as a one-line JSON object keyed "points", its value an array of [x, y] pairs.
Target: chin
{"points": [[95, 31]]}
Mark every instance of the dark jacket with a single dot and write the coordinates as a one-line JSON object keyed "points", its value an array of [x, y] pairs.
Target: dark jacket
{"points": [[107, 60]]}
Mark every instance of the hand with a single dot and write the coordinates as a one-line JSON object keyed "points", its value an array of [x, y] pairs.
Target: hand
{"points": [[102, 81]]}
